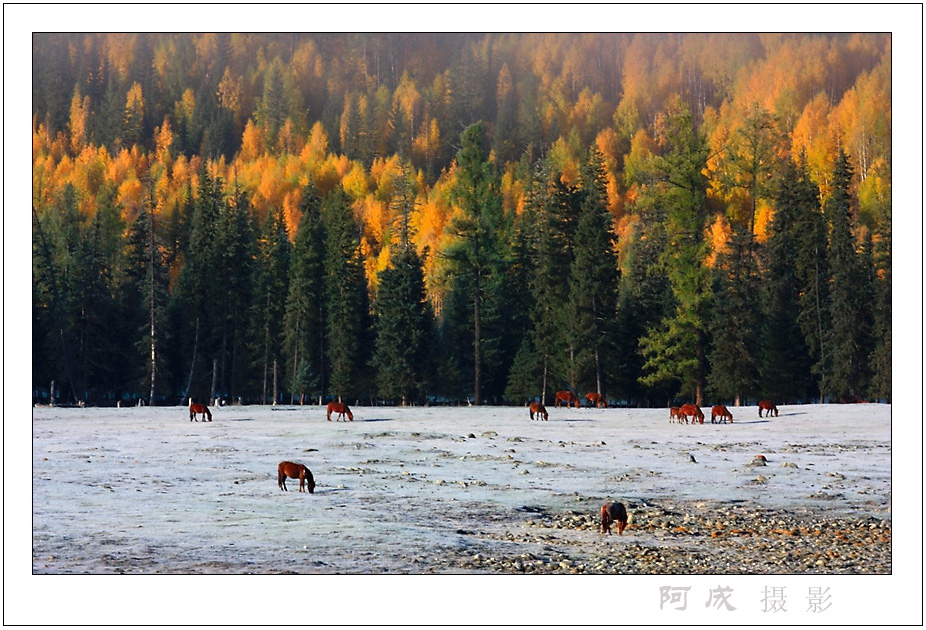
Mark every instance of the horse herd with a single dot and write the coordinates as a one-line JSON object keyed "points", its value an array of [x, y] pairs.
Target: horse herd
{"points": [[683, 413], [676, 414], [612, 513]]}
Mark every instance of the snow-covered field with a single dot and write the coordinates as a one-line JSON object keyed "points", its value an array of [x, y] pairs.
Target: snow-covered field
{"points": [[144, 490], [414, 491]]}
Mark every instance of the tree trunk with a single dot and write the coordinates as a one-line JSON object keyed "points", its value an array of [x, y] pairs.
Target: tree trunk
{"points": [[189, 381], [476, 386], [215, 373], [275, 390]]}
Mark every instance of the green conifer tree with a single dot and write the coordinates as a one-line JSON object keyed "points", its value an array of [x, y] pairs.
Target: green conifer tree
{"points": [[305, 306]]}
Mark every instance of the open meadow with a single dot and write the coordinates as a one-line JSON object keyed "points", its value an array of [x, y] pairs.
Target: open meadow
{"points": [[461, 490]]}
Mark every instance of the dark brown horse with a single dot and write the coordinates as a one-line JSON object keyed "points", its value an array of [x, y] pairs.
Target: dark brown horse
{"points": [[340, 409], [720, 411], [295, 471], [594, 398], [769, 407], [613, 513], [694, 411], [567, 397], [196, 408], [540, 410]]}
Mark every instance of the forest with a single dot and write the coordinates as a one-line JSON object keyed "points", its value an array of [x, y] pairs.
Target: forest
{"points": [[446, 218]]}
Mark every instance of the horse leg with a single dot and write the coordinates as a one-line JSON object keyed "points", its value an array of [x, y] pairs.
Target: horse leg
{"points": [[281, 481]]}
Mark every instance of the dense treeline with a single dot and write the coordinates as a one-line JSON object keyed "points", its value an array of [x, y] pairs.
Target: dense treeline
{"points": [[493, 218]]}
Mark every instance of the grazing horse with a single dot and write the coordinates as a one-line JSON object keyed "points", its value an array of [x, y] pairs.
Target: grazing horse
{"points": [[295, 471], [720, 411], [595, 399], [340, 409], [540, 410], [675, 414], [769, 406], [613, 513], [692, 410], [567, 397], [196, 408]]}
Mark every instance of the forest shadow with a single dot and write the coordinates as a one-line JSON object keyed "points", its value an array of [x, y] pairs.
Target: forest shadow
{"points": [[375, 420]]}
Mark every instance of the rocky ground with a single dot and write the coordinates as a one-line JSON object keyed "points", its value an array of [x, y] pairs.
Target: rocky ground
{"points": [[687, 538]]}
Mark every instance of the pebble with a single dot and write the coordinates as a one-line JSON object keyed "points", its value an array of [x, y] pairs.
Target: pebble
{"points": [[692, 538]]}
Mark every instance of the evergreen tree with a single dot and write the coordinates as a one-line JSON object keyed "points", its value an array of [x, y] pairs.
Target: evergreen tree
{"points": [[846, 353], [735, 321], [594, 275], [145, 293], [305, 306], [811, 268], [347, 302], [237, 253], [675, 350], [785, 365], [881, 356], [270, 285], [476, 260], [403, 354], [644, 299]]}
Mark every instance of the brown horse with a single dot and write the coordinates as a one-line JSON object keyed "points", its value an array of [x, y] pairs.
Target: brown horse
{"points": [[768, 406], [720, 411], [675, 414], [568, 397], [540, 410], [196, 408], [594, 398], [295, 471], [613, 513], [340, 409], [694, 411]]}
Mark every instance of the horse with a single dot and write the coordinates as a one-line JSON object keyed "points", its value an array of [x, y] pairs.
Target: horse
{"points": [[567, 397], [595, 399], [540, 410], [196, 408], [675, 414], [340, 409], [295, 471], [769, 406], [613, 513], [692, 410], [720, 411]]}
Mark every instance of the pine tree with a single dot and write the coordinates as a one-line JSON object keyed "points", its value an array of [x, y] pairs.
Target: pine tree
{"points": [[347, 302], [675, 350], [476, 260], [735, 321], [145, 293], [644, 299], [404, 349], [305, 305], [594, 275], [785, 365], [270, 285], [811, 268], [881, 356], [846, 356]]}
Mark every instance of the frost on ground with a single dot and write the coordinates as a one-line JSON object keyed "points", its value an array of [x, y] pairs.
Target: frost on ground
{"points": [[461, 490]]}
